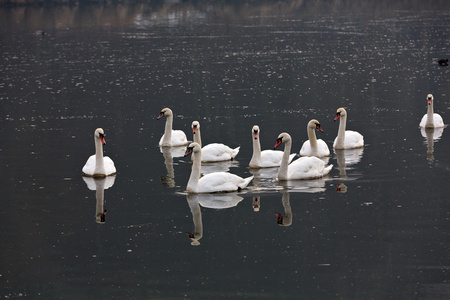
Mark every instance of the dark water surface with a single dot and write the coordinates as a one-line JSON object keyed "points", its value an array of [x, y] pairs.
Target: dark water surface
{"points": [[376, 228]]}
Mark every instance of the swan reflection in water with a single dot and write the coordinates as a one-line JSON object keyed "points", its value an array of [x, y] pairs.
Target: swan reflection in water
{"points": [[264, 178], [346, 158], [286, 219], [256, 203], [220, 166], [99, 185], [431, 135], [215, 201], [169, 153]]}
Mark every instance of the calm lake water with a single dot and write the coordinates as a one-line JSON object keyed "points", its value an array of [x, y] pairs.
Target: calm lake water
{"points": [[376, 228]]}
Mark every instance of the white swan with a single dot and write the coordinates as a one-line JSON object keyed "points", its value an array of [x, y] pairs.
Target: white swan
{"points": [[302, 168], [215, 151], [266, 158], [213, 182], [430, 119], [313, 146], [171, 137], [346, 139], [97, 165]]}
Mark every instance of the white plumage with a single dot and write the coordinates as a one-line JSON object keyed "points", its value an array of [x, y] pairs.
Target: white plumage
{"points": [[98, 165], [313, 146], [171, 137], [302, 168], [213, 152], [213, 182], [431, 119], [265, 158], [346, 139]]}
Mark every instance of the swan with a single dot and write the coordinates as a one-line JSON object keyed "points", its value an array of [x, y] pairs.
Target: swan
{"points": [[302, 168], [430, 119], [213, 182], [171, 137], [313, 146], [215, 151], [97, 165], [266, 158], [346, 139]]}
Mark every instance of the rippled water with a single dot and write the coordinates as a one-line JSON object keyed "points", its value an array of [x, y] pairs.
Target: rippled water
{"points": [[375, 228]]}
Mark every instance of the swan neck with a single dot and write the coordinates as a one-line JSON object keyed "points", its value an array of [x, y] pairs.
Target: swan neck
{"points": [[198, 137], [195, 172], [283, 171], [256, 157], [312, 138], [168, 130], [430, 113], [341, 131], [99, 162]]}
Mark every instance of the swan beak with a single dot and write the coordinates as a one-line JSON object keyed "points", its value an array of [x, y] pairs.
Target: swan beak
{"points": [[429, 101], [277, 144], [318, 128], [194, 130], [188, 151], [160, 116], [190, 235], [255, 135], [337, 116], [102, 139]]}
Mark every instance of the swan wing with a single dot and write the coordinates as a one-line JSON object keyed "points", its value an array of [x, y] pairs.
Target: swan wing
{"points": [[308, 168], [222, 182], [438, 121], [109, 166], [218, 152], [89, 167]]}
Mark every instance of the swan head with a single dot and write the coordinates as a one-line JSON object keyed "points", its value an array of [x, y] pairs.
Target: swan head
{"points": [[100, 134], [430, 99], [282, 138], [341, 112], [165, 112], [314, 124], [255, 132], [195, 126], [193, 147]]}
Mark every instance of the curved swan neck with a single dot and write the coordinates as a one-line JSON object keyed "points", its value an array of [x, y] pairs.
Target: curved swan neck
{"points": [[256, 157], [198, 137], [283, 171], [341, 131], [312, 138], [99, 162], [168, 130], [195, 173]]}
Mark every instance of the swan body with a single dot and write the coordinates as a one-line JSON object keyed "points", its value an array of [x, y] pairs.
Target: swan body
{"points": [[346, 139], [98, 165], [314, 146], [302, 168], [218, 182], [171, 137], [265, 158], [431, 119], [213, 152]]}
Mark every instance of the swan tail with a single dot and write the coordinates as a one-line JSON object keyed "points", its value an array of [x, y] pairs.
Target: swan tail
{"points": [[235, 152], [327, 170], [245, 182]]}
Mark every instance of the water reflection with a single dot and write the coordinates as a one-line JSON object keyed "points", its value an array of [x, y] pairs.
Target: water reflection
{"points": [[256, 203], [286, 219], [305, 186], [196, 212], [169, 153], [346, 158], [221, 166], [264, 178], [99, 185], [214, 201], [431, 135]]}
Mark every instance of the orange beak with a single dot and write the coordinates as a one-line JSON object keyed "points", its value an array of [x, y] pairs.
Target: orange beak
{"points": [[337, 116], [277, 144], [103, 140], [194, 130], [188, 151]]}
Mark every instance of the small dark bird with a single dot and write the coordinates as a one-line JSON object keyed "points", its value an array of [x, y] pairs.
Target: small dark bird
{"points": [[443, 62]]}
